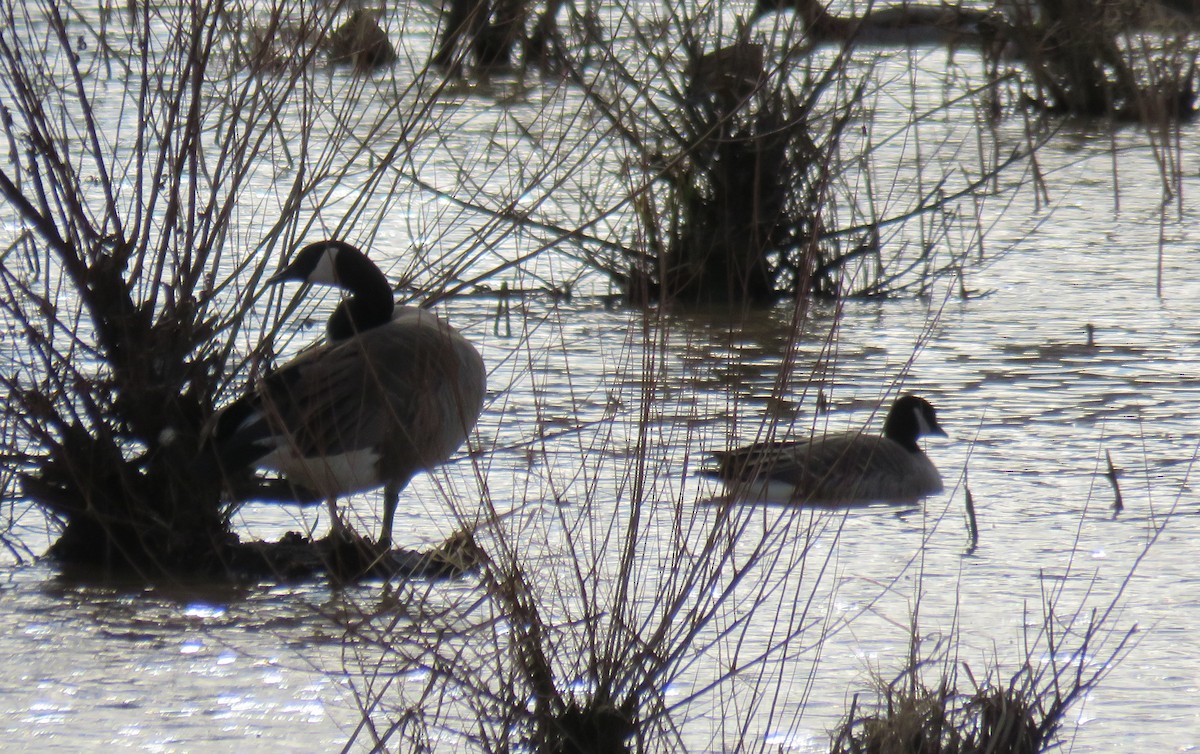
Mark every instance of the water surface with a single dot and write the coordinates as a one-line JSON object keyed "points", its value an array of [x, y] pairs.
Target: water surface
{"points": [[585, 422]]}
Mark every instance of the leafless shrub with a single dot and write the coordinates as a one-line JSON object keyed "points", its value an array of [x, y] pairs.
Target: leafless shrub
{"points": [[1113, 59], [737, 165], [150, 202]]}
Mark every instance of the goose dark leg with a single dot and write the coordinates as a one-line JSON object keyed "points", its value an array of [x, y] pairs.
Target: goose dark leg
{"points": [[391, 497], [336, 526]]}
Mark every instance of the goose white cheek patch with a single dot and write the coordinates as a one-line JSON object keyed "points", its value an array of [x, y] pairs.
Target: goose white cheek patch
{"points": [[326, 270]]}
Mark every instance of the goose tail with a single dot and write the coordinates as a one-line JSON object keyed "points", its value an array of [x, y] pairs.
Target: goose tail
{"points": [[235, 439]]}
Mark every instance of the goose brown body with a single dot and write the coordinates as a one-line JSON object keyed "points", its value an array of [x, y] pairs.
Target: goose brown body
{"points": [[382, 406], [840, 469]]}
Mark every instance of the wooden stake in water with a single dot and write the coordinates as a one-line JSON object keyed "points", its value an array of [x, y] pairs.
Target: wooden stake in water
{"points": [[1118, 504], [972, 524]]}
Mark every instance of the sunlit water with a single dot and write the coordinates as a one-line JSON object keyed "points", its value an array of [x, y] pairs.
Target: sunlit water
{"points": [[1033, 415]]}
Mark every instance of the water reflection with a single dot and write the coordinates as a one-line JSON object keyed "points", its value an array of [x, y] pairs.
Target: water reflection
{"points": [[160, 668]]}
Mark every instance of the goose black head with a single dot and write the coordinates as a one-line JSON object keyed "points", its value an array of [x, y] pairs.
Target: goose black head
{"points": [[338, 264], [334, 263], [909, 418]]}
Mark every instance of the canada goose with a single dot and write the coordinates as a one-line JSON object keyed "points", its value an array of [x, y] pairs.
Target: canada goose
{"points": [[1052, 351], [392, 391], [1055, 350], [840, 469], [902, 23]]}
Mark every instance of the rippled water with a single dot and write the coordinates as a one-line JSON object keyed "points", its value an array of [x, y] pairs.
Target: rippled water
{"points": [[1032, 411], [1031, 414]]}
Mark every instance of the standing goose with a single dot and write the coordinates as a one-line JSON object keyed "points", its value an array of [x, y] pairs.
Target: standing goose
{"points": [[840, 469], [390, 392]]}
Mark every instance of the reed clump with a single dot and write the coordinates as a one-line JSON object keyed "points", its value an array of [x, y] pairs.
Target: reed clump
{"points": [[1020, 714], [745, 165], [916, 719]]}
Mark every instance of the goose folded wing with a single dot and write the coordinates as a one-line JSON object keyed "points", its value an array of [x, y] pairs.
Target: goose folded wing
{"points": [[324, 404], [816, 470], [754, 461], [834, 469], [375, 391], [859, 469]]}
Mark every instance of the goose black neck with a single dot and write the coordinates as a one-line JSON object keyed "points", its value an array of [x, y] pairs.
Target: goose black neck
{"points": [[901, 428], [370, 301], [356, 314], [360, 276]]}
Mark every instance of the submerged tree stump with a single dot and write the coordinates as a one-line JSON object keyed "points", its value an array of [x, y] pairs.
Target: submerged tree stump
{"points": [[295, 557]]}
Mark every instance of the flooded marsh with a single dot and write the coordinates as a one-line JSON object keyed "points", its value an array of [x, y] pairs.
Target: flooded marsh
{"points": [[1047, 306]]}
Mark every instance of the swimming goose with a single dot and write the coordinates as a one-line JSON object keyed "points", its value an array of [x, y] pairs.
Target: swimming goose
{"points": [[840, 469], [901, 23], [390, 392]]}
